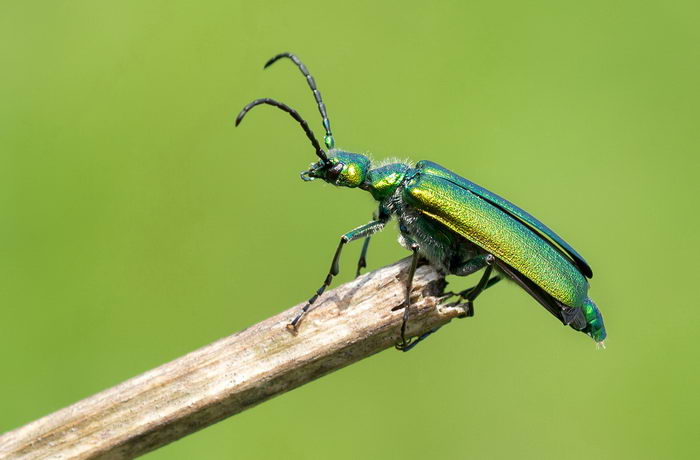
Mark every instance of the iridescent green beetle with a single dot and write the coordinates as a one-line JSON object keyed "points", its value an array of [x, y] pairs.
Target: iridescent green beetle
{"points": [[456, 225]]}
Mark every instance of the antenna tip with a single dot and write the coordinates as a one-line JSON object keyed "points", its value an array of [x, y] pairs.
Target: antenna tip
{"points": [[276, 58], [270, 61]]}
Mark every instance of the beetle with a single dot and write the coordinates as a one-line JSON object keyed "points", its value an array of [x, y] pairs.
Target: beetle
{"points": [[454, 224]]}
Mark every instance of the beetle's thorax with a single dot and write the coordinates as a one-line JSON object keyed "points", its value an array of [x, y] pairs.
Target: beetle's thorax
{"points": [[383, 181]]}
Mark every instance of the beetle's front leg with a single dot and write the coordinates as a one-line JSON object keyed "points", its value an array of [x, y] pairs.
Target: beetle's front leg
{"points": [[471, 266], [360, 232]]}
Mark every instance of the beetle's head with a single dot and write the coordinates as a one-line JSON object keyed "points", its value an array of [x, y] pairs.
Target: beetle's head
{"points": [[336, 167], [343, 169]]}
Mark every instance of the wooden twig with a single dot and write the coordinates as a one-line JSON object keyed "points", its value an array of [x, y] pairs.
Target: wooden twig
{"points": [[237, 372]]}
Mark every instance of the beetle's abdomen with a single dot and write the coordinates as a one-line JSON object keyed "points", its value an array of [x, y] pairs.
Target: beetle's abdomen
{"points": [[496, 232], [443, 247], [594, 321]]}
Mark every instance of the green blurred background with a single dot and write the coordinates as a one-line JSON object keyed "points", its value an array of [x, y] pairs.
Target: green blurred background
{"points": [[137, 224]]}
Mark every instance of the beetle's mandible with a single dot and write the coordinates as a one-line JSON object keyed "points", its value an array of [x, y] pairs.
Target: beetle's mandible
{"points": [[456, 225]]}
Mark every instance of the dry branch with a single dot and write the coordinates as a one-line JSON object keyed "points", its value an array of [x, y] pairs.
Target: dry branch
{"points": [[237, 372]]}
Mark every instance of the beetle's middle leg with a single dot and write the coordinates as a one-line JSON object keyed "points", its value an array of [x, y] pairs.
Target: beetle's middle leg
{"points": [[381, 215], [472, 265], [360, 232], [405, 345]]}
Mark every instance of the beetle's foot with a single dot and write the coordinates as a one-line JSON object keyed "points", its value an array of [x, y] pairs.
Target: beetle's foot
{"points": [[293, 325], [461, 294], [469, 307], [411, 344], [404, 345], [362, 264], [465, 293]]}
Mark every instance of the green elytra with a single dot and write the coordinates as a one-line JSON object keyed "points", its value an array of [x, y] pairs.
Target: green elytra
{"points": [[456, 225]]}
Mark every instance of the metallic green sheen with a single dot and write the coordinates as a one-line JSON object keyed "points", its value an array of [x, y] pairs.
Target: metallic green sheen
{"points": [[382, 181], [355, 168], [595, 328], [435, 169], [498, 233]]}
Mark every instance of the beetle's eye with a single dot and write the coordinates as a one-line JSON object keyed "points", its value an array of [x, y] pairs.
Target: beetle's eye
{"points": [[334, 172]]}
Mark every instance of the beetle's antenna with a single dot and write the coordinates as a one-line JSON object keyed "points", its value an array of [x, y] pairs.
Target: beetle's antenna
{"points": [[330, 142], [305, 126]]}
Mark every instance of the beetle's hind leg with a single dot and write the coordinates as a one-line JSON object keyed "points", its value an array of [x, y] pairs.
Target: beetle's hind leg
{"points": [[472, 290], [486, 281], [492, 281], [472, 293]]}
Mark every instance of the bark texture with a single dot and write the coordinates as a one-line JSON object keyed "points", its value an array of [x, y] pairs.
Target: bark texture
{"points": [[235, 373]]}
